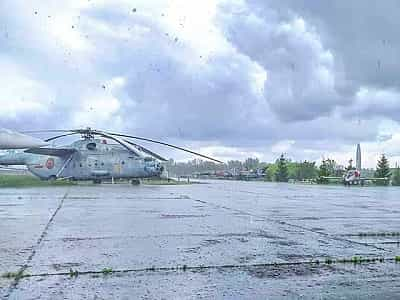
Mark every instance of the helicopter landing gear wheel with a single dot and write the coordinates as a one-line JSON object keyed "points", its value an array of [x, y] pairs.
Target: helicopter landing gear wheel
{"points": [[135, 181], [52, 178], [97, 181]]}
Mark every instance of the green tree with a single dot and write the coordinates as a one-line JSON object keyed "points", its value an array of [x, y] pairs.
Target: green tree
{"points": [[251, 163], [270, 171], [350, 166], [305, 170], [396, 176], [281, 174], [382, 170], [328, 168], [292, 169]]}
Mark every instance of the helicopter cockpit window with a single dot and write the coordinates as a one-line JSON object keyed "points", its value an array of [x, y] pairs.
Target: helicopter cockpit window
{"points": [[91, 146]]}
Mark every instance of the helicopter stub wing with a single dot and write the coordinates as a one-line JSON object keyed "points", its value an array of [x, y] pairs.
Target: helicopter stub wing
{"points": [[61, 152]]}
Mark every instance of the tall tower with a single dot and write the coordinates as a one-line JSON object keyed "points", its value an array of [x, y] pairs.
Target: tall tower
{"points": [[358, 157]]}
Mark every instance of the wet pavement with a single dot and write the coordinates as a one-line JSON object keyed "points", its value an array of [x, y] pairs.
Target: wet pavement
{"points": [[225, 239]]}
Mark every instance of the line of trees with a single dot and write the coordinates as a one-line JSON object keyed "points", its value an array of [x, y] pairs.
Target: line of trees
{"points": [[283, 169]]}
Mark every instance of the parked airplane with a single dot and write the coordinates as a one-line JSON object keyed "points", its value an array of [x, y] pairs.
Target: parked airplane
{"points": [[353, 175]]}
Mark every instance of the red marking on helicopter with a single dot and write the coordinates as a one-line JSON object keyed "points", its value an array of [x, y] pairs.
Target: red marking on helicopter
{"points": [[50, 163]]}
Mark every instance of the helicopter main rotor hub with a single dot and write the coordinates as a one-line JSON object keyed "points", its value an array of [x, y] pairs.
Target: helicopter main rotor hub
{"points": [[87, 134]]}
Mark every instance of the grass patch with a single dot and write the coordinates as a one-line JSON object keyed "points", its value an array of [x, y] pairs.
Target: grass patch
{"points": [[73, 273], [162, 181], [378, 234], [107, 271], [328, 261], [15, 181], [13, 275], [9, 275], [354, 260]]}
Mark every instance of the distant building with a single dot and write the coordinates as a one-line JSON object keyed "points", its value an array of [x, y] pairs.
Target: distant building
{"points": [[358, 157]]}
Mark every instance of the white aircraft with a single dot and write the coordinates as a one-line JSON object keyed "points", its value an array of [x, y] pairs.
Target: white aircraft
{"points": [[14, 140], [353, 175]]}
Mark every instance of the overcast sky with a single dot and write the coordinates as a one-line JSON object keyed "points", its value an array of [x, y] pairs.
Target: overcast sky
{"points": [[231, 79]]}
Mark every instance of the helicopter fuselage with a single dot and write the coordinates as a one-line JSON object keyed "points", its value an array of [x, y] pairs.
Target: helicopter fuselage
{"points": [[88, 159]]}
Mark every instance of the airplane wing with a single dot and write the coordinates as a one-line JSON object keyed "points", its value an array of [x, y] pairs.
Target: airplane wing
{"points": [[61, 152]]}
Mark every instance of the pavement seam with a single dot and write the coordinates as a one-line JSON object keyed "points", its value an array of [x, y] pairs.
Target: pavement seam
{"points": [[23, 268], [184, 268]]}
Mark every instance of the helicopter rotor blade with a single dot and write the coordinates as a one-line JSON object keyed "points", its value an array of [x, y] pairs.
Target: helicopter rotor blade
{"points": [[165, 144], [118, 140], [126, 144], [45, 131], [147, 151], [59, 136]]}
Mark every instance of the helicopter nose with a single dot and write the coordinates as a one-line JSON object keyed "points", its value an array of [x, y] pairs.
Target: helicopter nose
{"points": [[158, 166]]}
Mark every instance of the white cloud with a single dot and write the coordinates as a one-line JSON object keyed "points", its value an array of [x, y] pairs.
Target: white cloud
{"points": [[97, 110], [282, 147], [229, 153], [21, 94]]}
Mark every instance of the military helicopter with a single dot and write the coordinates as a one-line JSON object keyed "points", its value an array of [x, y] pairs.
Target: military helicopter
{"points": [[93, 157]]}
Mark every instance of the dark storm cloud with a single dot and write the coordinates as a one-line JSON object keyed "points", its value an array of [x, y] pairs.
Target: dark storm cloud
{"points": [[302, 80], [363, 38], [364, 35]]}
